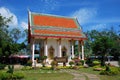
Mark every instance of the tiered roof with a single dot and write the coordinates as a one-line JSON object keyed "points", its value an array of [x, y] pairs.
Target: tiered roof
{"points": [[44, 25]]}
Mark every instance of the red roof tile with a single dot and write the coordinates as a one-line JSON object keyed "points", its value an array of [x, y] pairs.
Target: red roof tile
{"points": [[41, 20], [48, 32]]}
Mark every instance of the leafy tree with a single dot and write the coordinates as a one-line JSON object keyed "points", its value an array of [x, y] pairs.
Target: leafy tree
{"points": [[4, 36], [16, 34], [101, 46], [103, 42]]}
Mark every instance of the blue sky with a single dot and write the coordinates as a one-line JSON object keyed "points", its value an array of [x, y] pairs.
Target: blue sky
{"points": [[91, 14]]}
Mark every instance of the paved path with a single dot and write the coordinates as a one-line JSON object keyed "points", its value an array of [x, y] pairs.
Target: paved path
{"points": [[92, 76], [82, 76], [115, 63]]}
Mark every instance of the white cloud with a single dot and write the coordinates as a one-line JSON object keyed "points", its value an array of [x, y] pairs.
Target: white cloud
{"points": [[6, 13], [97, 27], [85, 15], [24, 25]]}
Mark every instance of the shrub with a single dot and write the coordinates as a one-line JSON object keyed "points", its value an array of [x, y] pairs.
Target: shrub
{"points": [[18, 76], [9, 76], [5, 76], [45, 68], [107, 67], [89, 62], [26, 68], [119, 69], [29, 63], [71, 63], [82, 62], [75, 67], [2, 66], [112, 71], [10, 69], [96, 62], [44, 57], [54, 65], [63, 67]]}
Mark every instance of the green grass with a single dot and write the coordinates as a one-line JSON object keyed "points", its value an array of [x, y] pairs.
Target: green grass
{"points": [[89, 70], [46, 75], [102, 77], [40, 74], [105, 77]]}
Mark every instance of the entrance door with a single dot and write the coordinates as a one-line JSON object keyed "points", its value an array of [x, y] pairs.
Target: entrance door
{"points": [[51, 53], [64, 52]]}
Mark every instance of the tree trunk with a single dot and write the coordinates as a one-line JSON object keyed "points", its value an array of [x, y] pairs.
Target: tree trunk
{"points": [[103, 60]]}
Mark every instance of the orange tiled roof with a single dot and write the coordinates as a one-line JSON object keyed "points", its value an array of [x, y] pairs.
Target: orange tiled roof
{"points": [[57, 32], [42, 20], [49, 25]]}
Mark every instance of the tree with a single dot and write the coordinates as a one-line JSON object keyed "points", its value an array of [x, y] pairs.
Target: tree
{"points": [[103, 42], [4, 36], [15, 34], [101, 46]]}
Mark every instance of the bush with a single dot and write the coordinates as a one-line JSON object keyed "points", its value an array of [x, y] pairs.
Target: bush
{"points": [[2, 66], [112, 71], [44, 57], [10, 69], [9, 76], [75, 67], [89, 62], [54, 65], [5, 76], [71, 63], [96, 62], [26, 68], [63, 67], [18, 76], [98, 68], [29, 63], [107, 67], [45, 68], [82, 62]]}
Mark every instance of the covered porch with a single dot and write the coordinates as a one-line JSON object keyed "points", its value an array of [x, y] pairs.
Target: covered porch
{"points": [[56, 48]]}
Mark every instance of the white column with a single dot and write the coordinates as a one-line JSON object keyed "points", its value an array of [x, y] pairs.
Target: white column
{"points": [[79, 49], [73, 49], [82, 50], [60, 53], [33, 52], [46, 48]]}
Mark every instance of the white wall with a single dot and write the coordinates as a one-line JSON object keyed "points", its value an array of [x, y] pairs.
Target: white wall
{"points": [[55, 45]]}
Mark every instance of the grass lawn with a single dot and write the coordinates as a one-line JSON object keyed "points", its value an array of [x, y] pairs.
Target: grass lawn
{"points": [[47, 75], [102, 77], [40, 74], [57, 75]]}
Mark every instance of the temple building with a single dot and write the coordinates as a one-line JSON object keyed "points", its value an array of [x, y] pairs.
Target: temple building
{"points": [[55, 35]]}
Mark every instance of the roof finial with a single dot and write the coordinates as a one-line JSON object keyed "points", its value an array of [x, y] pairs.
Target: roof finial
{"points": [[28, 9]]}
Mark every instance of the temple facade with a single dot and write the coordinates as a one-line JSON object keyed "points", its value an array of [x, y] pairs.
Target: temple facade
{"points": [[55, 35]]}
